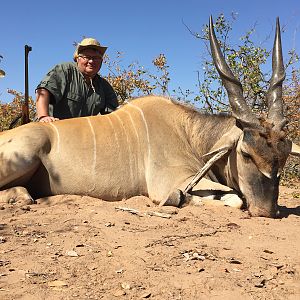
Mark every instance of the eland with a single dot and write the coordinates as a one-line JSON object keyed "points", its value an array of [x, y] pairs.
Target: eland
{"points": [[159, 148]]}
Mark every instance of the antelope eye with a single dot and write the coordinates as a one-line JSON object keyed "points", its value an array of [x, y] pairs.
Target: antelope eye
{"points": [[246, 155]]}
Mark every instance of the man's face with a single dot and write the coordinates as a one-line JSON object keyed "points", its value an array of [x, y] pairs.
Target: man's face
{"points": [[89, 62]]}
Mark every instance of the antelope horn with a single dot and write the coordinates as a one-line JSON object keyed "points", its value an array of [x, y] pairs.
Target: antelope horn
{"points": [[233, 86], [274, 94]]}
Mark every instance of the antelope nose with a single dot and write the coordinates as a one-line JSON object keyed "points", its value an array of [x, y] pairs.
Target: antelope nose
{"points": [[277, 213], [261, 212]]}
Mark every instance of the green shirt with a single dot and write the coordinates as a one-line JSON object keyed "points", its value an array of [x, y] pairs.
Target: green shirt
{"points": [[72, 97]]}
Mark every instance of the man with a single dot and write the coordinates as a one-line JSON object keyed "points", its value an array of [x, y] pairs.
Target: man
{"points": [[75, 89]]}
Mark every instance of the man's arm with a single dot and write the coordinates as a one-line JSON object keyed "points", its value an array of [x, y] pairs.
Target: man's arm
{"points": [[42, 106], [111, 100]]}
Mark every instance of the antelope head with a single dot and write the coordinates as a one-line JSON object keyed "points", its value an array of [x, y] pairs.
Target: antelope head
{"points": [[261, 149]]}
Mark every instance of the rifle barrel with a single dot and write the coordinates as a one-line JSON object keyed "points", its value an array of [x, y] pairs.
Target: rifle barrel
{"points": [[25, 110]]}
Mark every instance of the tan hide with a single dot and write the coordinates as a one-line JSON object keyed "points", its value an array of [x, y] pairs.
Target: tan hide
{"points": [[295, 150]]}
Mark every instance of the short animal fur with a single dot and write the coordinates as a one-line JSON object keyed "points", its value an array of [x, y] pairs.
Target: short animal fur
{"points": [[154, 146]]}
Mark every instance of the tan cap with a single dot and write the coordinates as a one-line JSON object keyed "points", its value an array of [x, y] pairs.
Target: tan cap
{"points": [[89, 43]]}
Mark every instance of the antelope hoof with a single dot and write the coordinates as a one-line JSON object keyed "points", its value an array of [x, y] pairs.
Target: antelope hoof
{"points": [[17, 196], [232, 200], [175, 199]]}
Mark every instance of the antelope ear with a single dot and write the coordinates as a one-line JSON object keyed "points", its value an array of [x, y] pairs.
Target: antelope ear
{"points": [[227, 141], [220, 149], [295, 150], [216, 155]]}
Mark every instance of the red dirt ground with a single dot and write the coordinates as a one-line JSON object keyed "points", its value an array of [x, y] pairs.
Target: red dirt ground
{"points": [[72, 247]]}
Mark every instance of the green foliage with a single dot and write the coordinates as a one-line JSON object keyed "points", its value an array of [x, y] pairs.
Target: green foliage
{"points": [[128, 82], [2, 73], [245, 63], [292, 106], [246, 60], [135, 80], [10, 111]]}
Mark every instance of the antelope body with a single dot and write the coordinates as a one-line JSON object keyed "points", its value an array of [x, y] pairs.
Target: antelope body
{"points": [[154, 146]]}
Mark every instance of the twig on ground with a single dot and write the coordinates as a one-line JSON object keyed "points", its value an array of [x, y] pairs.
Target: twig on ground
{"points": [[148, 213]]}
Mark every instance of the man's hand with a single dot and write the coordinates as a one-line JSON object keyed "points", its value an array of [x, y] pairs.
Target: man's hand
{"points": [[42, 106], [47, 119]]}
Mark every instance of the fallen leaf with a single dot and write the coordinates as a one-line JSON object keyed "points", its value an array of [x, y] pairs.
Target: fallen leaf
{"points": [[234, 261], [260, 284], [119, 271], [109, 224], [197, 256], [125, 286], [146, 295], [236, 270], [233, 225], [71, 253], [119, 293], [268, 251], [57, 283]]}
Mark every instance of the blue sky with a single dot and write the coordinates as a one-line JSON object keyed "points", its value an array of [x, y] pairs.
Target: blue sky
{"points": [[140, 29]]}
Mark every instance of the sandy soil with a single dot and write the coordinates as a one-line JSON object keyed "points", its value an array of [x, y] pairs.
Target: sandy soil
{"points": [[71, 247]]}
